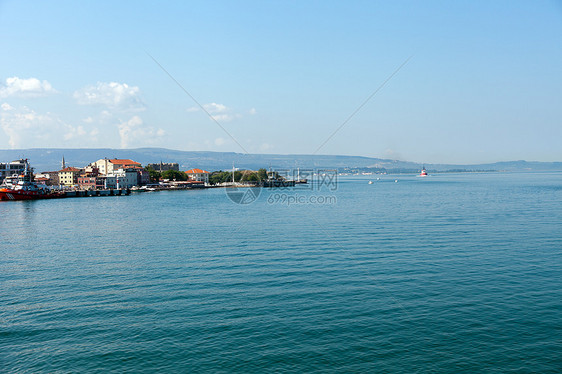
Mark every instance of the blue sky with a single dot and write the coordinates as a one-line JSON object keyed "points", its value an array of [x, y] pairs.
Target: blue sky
{"points": [[483, 82]]}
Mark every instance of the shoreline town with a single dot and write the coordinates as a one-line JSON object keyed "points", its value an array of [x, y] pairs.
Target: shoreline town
{"points": [[113, 177]]}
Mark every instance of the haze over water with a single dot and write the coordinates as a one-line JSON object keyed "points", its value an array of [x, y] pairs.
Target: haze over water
{"points": [[449, 273]]}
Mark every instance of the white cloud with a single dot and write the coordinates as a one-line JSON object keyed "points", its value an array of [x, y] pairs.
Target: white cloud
{"points": [[80, 134], [225, 117], [26, 128], [21, 124], [265, 147], [119, 96], [220, 141], [6, 107], [133, 133], [74, 132], [30, 87], [214, 108], [220, 112]]}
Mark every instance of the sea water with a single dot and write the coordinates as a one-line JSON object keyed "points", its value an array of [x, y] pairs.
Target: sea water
{"points": [[448, 273]]}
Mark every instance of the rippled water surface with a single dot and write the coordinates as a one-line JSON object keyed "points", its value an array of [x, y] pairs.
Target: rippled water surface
{"points": [[449, 273]]}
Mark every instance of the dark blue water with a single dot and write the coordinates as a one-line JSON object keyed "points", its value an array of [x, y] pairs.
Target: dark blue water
{"points": [[449, 273]]}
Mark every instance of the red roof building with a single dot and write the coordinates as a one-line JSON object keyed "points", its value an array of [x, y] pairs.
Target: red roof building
{"points": [[69, 176], [198, 175], [109, 166], [70, 168], [196, 171], [124, 163]]}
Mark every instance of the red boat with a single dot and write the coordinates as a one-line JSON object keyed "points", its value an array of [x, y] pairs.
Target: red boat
{"points": [[22, 187], [26, 194], [423, 173]]}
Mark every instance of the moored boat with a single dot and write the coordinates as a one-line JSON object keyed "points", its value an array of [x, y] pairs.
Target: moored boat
{"points": [[22, 187]]}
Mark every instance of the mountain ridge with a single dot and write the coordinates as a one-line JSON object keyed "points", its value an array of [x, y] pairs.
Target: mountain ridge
{"points": [[49, 159]]}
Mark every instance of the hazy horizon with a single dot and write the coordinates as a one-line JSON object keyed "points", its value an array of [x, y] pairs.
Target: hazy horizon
{"points": [[190, 159], [461, 83]]}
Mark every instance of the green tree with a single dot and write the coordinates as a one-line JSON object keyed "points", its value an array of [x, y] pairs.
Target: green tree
{"points": [[154, 175], [237, 175], [251, 177], [174, 175], [262, 174], [217, 177]]}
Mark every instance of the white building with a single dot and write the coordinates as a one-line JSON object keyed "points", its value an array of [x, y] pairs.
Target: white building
{"points": [[125, 178], [198, 175], [109, 166], [8, 169], [110, 182]]}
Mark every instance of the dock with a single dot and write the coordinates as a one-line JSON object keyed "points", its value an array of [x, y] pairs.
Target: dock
{"points": [[91, 193]]}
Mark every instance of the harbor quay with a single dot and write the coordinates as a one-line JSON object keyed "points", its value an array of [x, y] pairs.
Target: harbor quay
{"points": [[119, 177]]}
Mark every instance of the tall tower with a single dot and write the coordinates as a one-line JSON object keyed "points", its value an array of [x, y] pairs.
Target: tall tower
{"points": [[63, 163]]}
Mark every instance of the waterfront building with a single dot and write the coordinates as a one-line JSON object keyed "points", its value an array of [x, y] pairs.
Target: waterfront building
{"points": [[125, 178], [41, 180], [7, 169], [108, 166], [50, 178], [69, 176], [143, 177], [109, 182], [91, 182], [91, 170], [164, 166], [198, 175], [90, 179]]}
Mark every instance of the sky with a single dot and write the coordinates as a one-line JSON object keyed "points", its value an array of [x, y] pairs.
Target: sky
{"points": [[424, 81]]}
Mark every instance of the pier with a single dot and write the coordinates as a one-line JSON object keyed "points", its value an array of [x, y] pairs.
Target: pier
{"points": [[91, 193]]}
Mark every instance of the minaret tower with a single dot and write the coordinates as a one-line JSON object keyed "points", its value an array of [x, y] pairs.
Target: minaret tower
{"points": [[62, 163]]}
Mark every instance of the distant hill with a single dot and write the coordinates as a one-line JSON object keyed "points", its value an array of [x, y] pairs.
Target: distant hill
{"points": [[48, 159]]}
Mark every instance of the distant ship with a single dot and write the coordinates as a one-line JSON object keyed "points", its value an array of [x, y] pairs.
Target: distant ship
{"points": [[423, 172], [276, 180], [22, 187]]}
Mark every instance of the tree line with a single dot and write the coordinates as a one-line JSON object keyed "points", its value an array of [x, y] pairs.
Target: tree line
{"points": [[173, 175], [216, 177]]}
